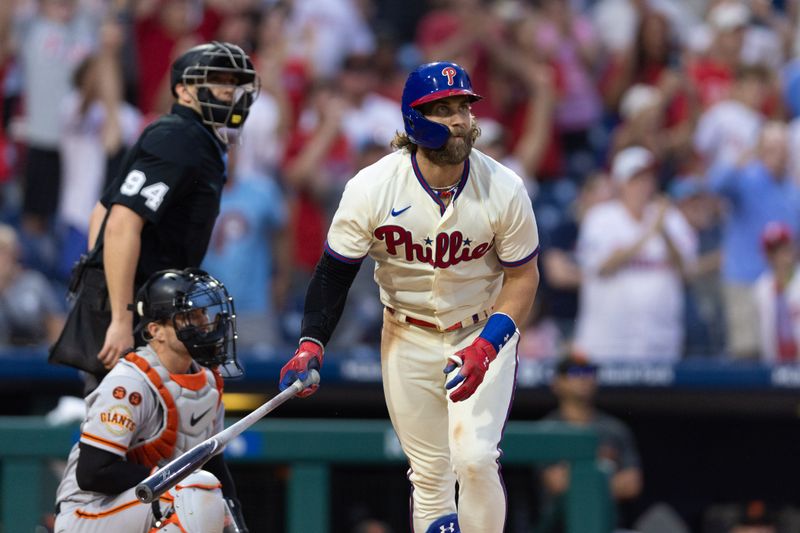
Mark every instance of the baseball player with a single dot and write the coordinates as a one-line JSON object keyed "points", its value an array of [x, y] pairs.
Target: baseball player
{"points": [[158, 402], [160, 210], [455, 243]]}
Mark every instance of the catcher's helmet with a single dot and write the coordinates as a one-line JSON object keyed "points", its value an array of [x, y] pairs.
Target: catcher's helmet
{"points": [[208, 334], [429, 82], [195, 67]]}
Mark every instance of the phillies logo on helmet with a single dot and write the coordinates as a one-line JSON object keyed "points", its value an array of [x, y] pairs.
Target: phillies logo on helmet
{"points": [[450, 73]]}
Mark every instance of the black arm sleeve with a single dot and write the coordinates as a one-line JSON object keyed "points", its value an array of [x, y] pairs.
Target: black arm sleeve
{"points": [[104, 472], [326, 295], [217, 466]]}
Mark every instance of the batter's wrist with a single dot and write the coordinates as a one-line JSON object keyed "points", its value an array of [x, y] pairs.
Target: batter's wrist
{"points": [[498, 330], [311, 339]]}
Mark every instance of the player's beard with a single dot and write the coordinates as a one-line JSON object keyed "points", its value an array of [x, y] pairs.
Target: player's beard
{"points": [[455, 151]]}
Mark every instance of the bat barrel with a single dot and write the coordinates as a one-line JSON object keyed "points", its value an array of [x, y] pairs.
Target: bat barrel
{"points": [[151, 488]]}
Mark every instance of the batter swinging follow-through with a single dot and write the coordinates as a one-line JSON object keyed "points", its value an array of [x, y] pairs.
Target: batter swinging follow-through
{"points": [[455, 242]]}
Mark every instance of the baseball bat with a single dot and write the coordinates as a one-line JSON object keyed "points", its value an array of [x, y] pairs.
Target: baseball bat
{"points": [[176, 470]]}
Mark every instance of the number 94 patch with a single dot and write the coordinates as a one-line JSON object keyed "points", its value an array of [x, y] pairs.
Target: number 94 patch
{"points": [[153, 193]]}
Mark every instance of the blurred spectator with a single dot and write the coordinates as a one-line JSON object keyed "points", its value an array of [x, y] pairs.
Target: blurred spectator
{"points": [[239, 24], [370, 119], [711, 73], [794, 134], [96, 127], [575, 386], [541, 339], [469, 33], [749, 517], [768, 38], [633, 252], [566, 40], [561, 273], [642, 123], [248, 249], [51, 44], [731, 126], [755, 519], [30, 310], [530, 149], [164, 29], [318, 162], [789, 75], [263, 139], [617, 21], [324, 33], [777, 295], [650, 67], [757, 191], [704, 318], [370, 525], [6, 55], [529, 111], [275, 55], [387, 63], [654, 59]]}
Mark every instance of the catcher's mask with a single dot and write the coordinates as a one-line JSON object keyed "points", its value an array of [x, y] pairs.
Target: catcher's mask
{"points": [[429, 82], [205, 66], [199, 308]]}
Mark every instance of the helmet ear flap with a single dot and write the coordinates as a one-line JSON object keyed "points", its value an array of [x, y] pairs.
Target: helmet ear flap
{"points": [[424, 132]]}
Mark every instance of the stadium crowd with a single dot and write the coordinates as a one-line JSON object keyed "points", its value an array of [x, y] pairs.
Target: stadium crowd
{"points": [[657, 139]]}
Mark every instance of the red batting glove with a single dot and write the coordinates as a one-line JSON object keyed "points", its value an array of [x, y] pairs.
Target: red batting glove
{"points": [[474, 362], [307, 356]]}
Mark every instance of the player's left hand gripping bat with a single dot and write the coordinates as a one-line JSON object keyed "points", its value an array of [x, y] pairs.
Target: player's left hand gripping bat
{"points": [[176, 470]]}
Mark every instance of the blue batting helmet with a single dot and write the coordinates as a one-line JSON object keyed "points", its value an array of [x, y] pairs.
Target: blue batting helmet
{"points": [[429, 82]]}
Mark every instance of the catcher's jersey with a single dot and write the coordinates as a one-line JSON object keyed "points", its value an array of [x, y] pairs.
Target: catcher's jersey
{"points": [[434, 262], [140, 411]]}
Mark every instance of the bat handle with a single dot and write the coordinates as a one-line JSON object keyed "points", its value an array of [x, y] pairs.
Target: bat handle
{"points": [[311, 379]]}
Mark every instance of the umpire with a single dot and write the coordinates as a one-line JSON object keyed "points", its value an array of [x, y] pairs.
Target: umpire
{"points": [[159, 211]]}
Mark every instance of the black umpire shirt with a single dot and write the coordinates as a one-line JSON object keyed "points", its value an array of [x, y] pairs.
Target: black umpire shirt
{"points": [[173, 178]]}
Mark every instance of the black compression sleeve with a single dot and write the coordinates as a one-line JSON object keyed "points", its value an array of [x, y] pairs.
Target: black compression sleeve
{"points": [[326, 295], [217, 466], [104, 472]]}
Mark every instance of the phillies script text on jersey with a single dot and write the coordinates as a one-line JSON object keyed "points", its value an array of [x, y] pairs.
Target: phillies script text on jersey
{"points": [[450, 249]]}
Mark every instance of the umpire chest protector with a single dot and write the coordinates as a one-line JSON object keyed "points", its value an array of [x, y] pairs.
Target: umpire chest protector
{"points": [[188, 405], [173, 178]]}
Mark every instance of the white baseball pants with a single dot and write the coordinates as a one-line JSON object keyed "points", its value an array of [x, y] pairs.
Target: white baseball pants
{"points": [[448, 442]]}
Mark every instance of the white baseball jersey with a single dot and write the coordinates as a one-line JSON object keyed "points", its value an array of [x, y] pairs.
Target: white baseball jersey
{"points": [[435, 263], [766, 297], [727, 130], [142, 412], [636, 313], [441, 264]]}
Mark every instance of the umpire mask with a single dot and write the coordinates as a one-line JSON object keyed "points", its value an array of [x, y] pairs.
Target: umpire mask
{"points": [[219, 66]]}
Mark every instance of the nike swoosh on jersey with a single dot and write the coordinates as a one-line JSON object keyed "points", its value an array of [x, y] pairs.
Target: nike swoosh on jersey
{"points": [[399, 212], [194, 420]]}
